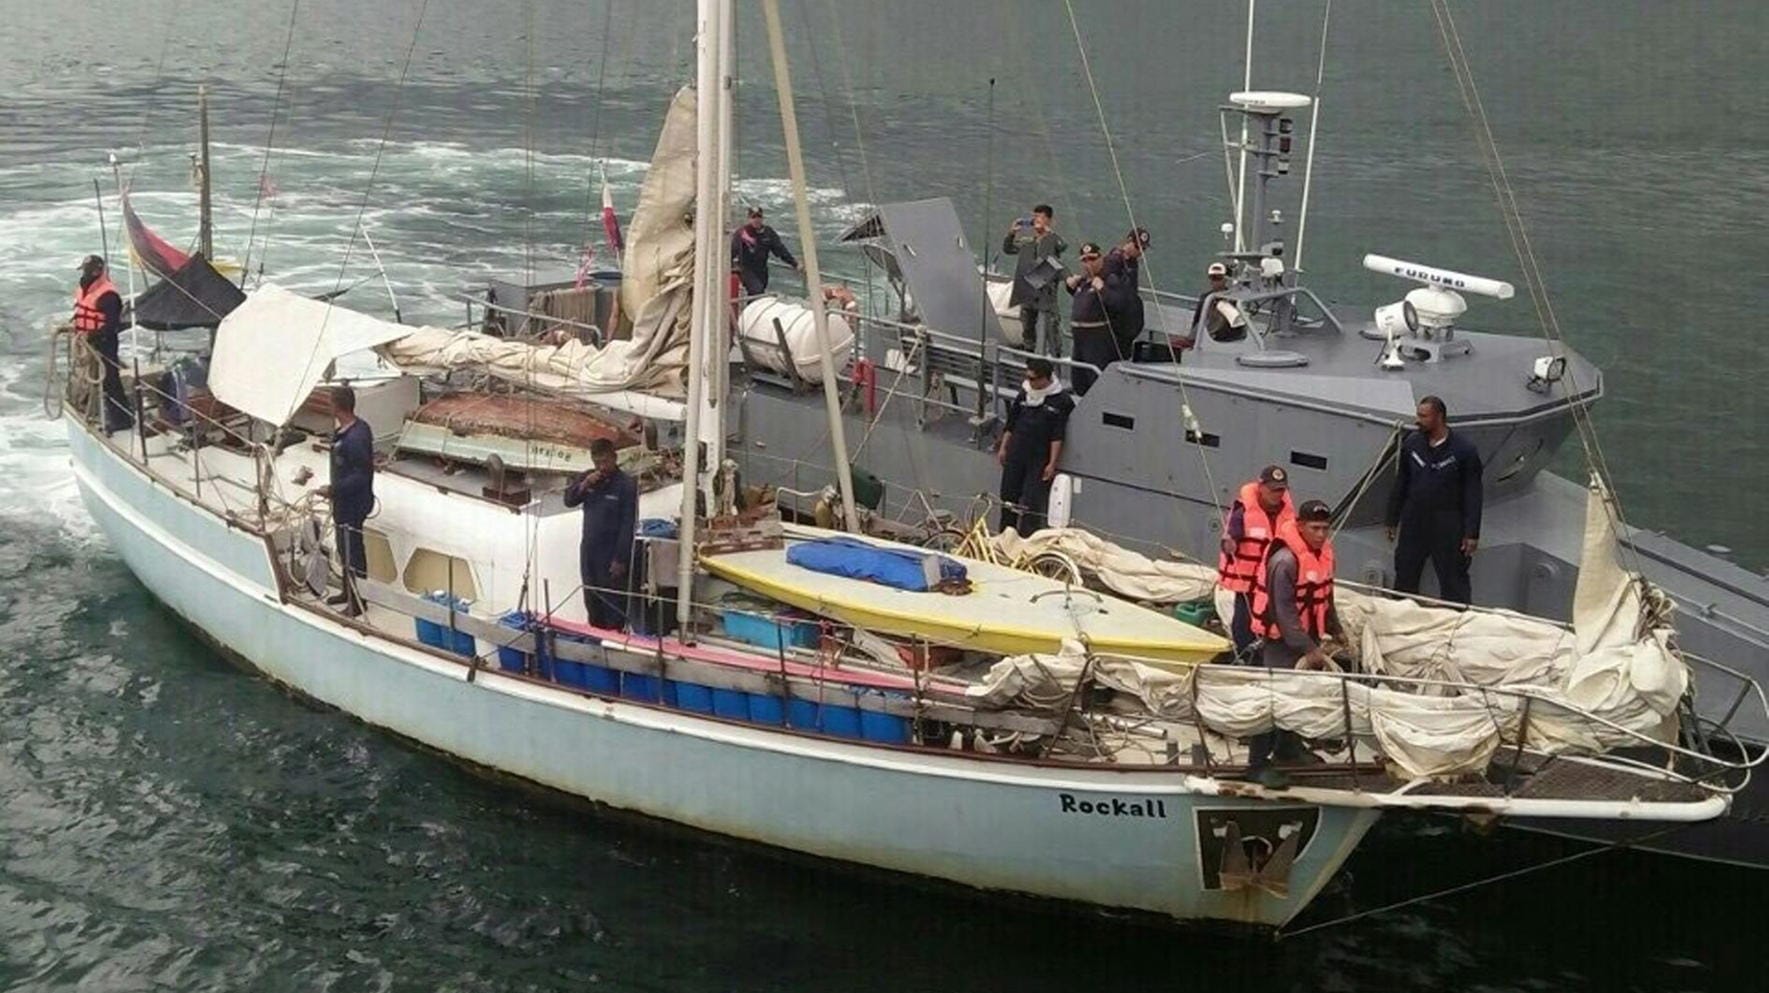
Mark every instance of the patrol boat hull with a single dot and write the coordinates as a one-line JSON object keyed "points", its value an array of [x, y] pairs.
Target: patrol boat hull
{"points": [[1148, 841], [1529, 556]]}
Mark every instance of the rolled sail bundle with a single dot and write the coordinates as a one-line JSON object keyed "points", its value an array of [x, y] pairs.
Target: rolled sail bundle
{"points": [[656, 284]]}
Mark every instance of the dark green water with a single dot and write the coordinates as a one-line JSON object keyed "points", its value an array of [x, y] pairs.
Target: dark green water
{"points": [[169, 823]]}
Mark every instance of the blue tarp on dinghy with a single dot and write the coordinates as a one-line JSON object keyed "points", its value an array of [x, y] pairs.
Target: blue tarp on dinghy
{"points": [[900, 569]]}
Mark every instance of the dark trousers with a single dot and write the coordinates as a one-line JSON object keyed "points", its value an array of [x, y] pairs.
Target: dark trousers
{"points": [[118, 415], [1023, 483], [347, 537], [1439, 539], [754, 283], [605, 598], [1042, 330], [1240, 629], [353, 559], [1276, 743], [1095, 347]]}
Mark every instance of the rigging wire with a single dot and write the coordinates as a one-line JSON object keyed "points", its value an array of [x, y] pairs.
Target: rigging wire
{"points": [[1479, 883], [1314, 124], [1193, 435], [853, 103], [269, 142], [841, 164], [591, 204], [1531, 268], [374, 171]]}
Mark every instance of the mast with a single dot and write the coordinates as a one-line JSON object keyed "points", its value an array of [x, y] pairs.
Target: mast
{"points": [[708, 296], [1241, 181], [205, 225], [718, 352], [795, 161]]}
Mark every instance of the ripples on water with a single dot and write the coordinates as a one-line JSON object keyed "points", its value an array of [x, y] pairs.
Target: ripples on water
{"points": [[169, 823]]}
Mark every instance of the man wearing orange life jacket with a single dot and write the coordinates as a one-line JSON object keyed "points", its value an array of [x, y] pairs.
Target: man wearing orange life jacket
{"points": [[1293, 612], [1262, 507], [98, 317]]}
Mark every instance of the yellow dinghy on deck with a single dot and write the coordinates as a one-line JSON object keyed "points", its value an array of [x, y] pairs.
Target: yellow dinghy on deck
{"points": [[1008, 611]]}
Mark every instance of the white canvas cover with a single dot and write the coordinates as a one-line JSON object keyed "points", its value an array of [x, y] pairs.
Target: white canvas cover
{"points": [[1614, 665], [656, 287], [272, 350]]}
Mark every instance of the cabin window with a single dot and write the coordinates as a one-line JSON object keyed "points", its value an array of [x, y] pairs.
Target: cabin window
{"points": [[430, 570], [1308, 461], [380, 556], [1124, 421], [1204, 438]]}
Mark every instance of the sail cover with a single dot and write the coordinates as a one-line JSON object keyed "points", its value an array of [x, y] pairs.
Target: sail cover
{"points": [[196, 296], [1612, 680], [656, 286], [273, 349]]}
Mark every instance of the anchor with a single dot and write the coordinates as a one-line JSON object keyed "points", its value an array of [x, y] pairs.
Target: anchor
{"points": [[1270, 873]]}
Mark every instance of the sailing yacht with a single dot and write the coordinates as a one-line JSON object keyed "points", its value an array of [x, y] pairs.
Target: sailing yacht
{"points": [[987, 726]]}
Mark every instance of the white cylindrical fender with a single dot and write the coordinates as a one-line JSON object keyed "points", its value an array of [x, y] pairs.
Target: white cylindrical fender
{"points": [[1061, 508], [799, 324]]}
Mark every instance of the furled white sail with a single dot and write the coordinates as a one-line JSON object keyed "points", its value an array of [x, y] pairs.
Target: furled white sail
{"points": [[1615, 665], [656, 289]]}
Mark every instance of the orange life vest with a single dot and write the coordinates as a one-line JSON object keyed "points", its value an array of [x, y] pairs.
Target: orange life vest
{"points": [[1238, 572], [1314, 586], [88, 319]]}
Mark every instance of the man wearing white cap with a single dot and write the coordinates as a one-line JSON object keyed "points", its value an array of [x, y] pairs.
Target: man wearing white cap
{"points": [[1218, 326]]}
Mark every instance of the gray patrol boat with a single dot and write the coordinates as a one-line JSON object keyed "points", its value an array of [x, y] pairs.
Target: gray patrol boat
{"points": [[1158, 446]]}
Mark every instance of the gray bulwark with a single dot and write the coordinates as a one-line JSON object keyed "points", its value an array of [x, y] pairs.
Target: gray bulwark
{"points": [[937, 264]]}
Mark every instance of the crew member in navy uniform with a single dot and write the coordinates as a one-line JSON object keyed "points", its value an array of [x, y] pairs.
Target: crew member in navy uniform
{"points": [[1031, 445], [610, 499], [1293, 611], [1123, 272], [1089, 318], [751, 245], [1435, 505], [352, 492], [98, 317]]}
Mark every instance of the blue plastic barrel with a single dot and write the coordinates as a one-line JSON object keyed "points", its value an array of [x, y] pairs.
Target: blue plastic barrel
{"points": [[733, 704], [766, 708], [600, 679], [512, 659], [884, 728], [636, 687], [694, 697]]}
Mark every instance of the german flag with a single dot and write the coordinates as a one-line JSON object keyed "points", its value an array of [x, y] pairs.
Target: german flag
{"points": [[151, 252]]}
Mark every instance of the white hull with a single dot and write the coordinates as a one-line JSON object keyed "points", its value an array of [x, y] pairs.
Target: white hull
{"points": [[1117, 839]]}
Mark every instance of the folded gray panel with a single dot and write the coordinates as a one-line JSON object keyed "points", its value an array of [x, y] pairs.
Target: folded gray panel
{"points": [[939, 268]]}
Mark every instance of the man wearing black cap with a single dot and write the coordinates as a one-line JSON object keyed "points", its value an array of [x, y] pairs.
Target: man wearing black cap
{"points": [[1435, 505], [1261, 509], [98, 317], [1040, 252], [751, 245], [1293, 612], [1093, 300], [1031, 444], [1123, 272]]}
